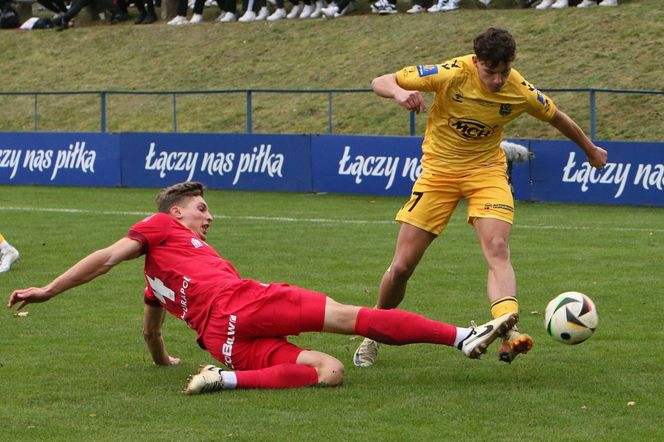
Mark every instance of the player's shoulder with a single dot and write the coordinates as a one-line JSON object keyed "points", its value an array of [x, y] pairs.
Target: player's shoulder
{"points": [[156, 219]]}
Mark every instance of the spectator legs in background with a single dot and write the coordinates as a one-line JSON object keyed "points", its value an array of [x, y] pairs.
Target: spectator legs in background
{"points": [[146, 12]]}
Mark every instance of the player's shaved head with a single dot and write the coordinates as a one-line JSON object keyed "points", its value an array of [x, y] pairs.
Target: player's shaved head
{"points": [[174, 194], [495, 46]]}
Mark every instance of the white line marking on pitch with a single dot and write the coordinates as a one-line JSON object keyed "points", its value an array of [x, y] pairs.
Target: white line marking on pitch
{"points": [[314, 220]]}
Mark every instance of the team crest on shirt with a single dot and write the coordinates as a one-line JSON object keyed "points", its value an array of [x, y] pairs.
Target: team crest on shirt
{"points": [[196, 242], [427, 69], [505, 109]]}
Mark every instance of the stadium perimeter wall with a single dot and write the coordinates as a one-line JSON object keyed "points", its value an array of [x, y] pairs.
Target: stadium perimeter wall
{"points": [[371, 165]]}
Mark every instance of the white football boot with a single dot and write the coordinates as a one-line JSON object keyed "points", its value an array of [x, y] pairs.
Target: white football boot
{"points": [[366, 353], [481, 336], [207, 380], [545, 4]]}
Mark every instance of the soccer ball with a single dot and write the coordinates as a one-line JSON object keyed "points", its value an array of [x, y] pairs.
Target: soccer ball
{"points": [[571, 318]]}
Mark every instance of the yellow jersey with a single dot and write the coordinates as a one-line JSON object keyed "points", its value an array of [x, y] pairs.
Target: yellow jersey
{"points": [[466, 120]]}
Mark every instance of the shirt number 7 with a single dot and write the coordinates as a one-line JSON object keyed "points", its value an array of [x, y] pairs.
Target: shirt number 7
{"points": [[418, 196]]}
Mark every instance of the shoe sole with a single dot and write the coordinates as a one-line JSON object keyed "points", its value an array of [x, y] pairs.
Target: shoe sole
{"points": [[516, 347], [495, 334]]}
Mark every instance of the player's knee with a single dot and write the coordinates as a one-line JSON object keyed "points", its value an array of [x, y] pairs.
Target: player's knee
{"points": [[331, 373], [498, 248], [400, 271]]}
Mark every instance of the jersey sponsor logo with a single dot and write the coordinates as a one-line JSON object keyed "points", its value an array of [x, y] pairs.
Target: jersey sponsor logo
{"points": [[505, 109], [183, 296], [470, 129], [227, 348], [196, 242], [489, 206], [427, 69]]}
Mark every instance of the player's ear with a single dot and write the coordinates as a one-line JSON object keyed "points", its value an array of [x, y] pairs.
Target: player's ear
{"points": [[175, 212]]}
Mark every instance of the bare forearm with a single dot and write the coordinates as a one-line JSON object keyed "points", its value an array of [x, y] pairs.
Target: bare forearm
{"points": [[85, 270], [385, 86], [571, 130], [157, 348], [597, 156]]}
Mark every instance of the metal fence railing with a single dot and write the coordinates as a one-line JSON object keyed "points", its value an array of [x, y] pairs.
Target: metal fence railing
{"points": [[250, 93]]}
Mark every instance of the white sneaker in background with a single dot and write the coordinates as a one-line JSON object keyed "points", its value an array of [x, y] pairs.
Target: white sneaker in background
{"points": [[226, 17], [209, 3], [278, 14], [247, 17], [331, 11], [196, 19], [438, 7], [306, 11], [416, 9], [263, 13], [545, 4], [608, 3], [178, 20], [560, 4], [318, 9], [295, 11], [453, 4], [587, 4], [484, 2]]}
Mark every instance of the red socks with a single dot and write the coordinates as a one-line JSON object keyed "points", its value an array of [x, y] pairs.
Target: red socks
{"points": [[278, 376], [398, 327]]}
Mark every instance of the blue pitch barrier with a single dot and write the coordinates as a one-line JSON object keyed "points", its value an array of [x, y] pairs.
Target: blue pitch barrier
{"points": [[370, 165]]}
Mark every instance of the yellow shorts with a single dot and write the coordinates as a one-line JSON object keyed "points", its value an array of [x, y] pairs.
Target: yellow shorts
{"points": [[435, 197]]}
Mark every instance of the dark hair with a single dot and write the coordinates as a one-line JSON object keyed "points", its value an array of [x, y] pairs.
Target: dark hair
{"points": [[174, 194], [495, 46]]}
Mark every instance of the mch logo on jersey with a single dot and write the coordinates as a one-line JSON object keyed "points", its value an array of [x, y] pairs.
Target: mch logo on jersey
{"points": [[196, 242], [427, 69], [470, 129]]}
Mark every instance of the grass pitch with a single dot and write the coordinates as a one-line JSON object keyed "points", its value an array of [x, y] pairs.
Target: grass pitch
{"points": [[76, 368]]}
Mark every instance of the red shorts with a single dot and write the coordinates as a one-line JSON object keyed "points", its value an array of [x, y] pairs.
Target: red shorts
{"points": [[248, 331]]}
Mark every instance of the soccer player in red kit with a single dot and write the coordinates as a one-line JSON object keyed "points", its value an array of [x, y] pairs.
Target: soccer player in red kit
{"points": [[244, 323]]}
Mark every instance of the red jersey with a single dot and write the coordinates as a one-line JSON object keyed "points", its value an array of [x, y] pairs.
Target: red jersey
{"points": [[183, 273]]}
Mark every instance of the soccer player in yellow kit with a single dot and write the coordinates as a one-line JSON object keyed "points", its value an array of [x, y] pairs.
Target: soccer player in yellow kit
{"points": [[475, 97]]}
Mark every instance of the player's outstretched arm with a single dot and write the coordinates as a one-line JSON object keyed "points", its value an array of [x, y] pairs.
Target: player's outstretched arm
{"points": [[153, 321], [93, 265], [597, 156], [387, 86]]}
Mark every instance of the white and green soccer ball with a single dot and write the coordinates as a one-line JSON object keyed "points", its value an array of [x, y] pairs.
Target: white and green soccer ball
{"points": [[571, 318]]}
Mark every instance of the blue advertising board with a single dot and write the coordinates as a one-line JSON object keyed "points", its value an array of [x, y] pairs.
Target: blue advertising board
{"points": [[221, 161], [634, 174], [364, 164], [59, 158], [370, 165]]}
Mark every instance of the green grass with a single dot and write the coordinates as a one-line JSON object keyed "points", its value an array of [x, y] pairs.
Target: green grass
{"points": [[76, 368], [617, 48]]}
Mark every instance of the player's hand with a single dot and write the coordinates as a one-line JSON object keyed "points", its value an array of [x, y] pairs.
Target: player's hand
{"points": [[411, 100], [28, 296], [170, 361], [597, 158]]}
